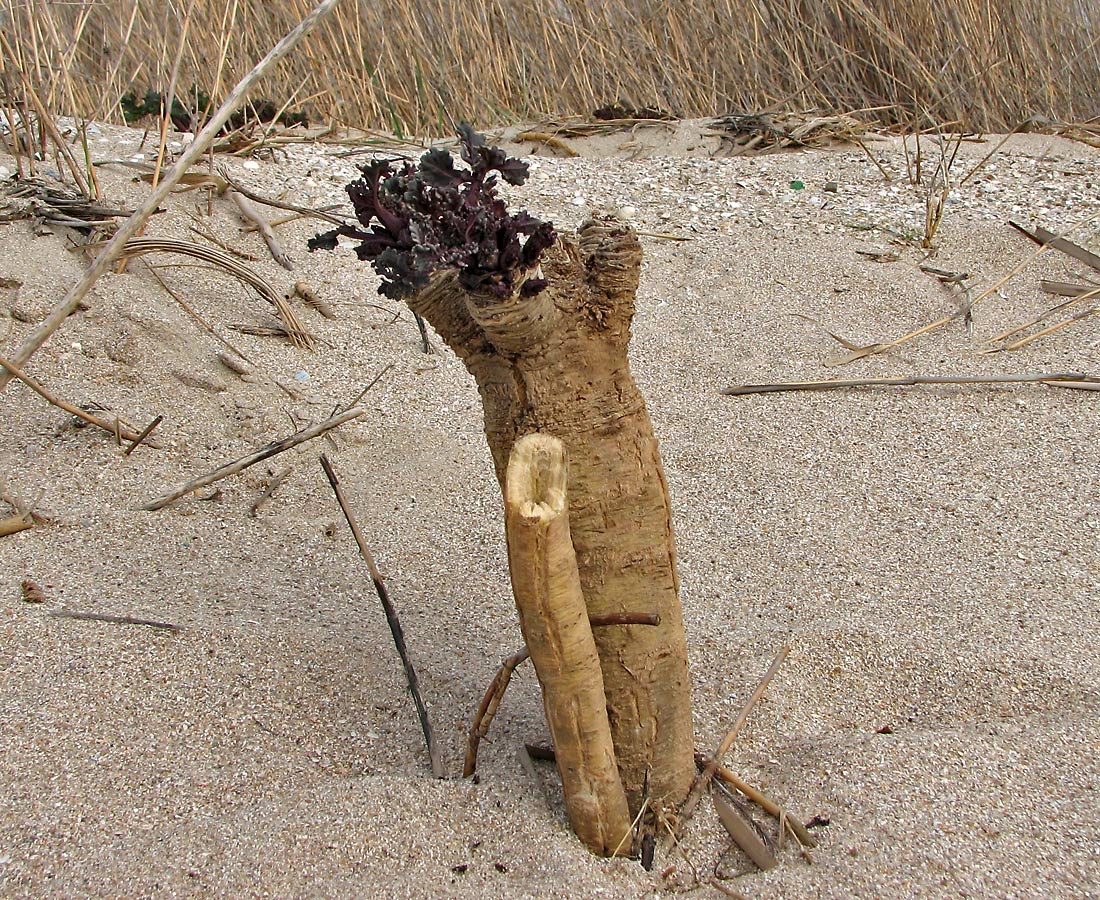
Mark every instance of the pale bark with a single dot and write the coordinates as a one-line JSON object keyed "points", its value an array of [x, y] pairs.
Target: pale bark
{"points": [[557, 363], [554, 621]]}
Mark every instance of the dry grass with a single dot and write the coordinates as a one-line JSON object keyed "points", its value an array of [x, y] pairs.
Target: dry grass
{"points": [[415, 68]]}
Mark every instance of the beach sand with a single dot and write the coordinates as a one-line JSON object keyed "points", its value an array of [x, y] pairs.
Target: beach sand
{"points": [[928, 554]]}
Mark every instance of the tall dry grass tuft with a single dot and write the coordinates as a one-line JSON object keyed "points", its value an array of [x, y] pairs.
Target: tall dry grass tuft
{"points": [[416, 67]]}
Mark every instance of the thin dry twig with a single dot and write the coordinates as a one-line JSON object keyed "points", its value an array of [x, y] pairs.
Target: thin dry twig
{"points": [[306, 211], [1050, 329], [295, 329], [272, 486], [391, 619], [741, 390], [251, 214], [116, 620], [495, 692], [372, 383], [704, 779], [1053, 242], [490, 703], [196, 228], [293, 217], [1081, 294], [194, 313], [251, 459], [111, 428], [148, 430]]}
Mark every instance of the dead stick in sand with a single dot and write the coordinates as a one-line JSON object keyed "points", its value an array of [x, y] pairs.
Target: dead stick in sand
{"points": [[148, 430], [391, 619], [115, 620], [272, 486], [133, 225], [424, 342], [760, 799], [1050, 329], [741, 390], [251, 214], [109, 427], [490, 703], [488, 709], [259, 456], [1083, 294], [373, 382], [304, 211], [294, 216], [704, 779]]}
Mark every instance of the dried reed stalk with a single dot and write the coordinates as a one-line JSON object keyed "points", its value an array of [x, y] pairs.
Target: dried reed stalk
{"points": [[112, 428], [704, 779], [293, 326], [392, 620], [414, 67], [239, 465], [904, 381]]}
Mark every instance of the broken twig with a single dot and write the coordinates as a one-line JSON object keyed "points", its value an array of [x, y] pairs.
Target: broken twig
{"points": [[391, 618], [115, 620], [967, 309], [272, 486], [907, 381], [251, 214], [295, 330], [148, 430], [111, 428], [704, 779], [490, 703], [259, 456], [495, 692]]}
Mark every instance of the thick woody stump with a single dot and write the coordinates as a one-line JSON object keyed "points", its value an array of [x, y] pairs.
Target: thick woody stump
{"points": [[556, 363]]}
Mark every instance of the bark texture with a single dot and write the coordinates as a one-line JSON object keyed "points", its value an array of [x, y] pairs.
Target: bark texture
{"points": [[557, 363], [554, 621]]}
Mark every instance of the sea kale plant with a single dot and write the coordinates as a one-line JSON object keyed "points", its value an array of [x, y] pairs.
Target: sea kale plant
{"points": [[418, 220]]}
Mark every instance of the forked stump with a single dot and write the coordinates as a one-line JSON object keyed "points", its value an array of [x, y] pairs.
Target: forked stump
{"points": [[554, 620]]}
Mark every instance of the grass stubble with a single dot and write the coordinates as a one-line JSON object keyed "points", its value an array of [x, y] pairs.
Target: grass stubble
{"points": [[417, 68]]}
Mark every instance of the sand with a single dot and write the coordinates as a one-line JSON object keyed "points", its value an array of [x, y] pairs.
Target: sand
{"points": [[929, 554]]}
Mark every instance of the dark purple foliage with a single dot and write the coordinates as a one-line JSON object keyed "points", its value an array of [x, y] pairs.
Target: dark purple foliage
{"points": [[416, 220]]}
